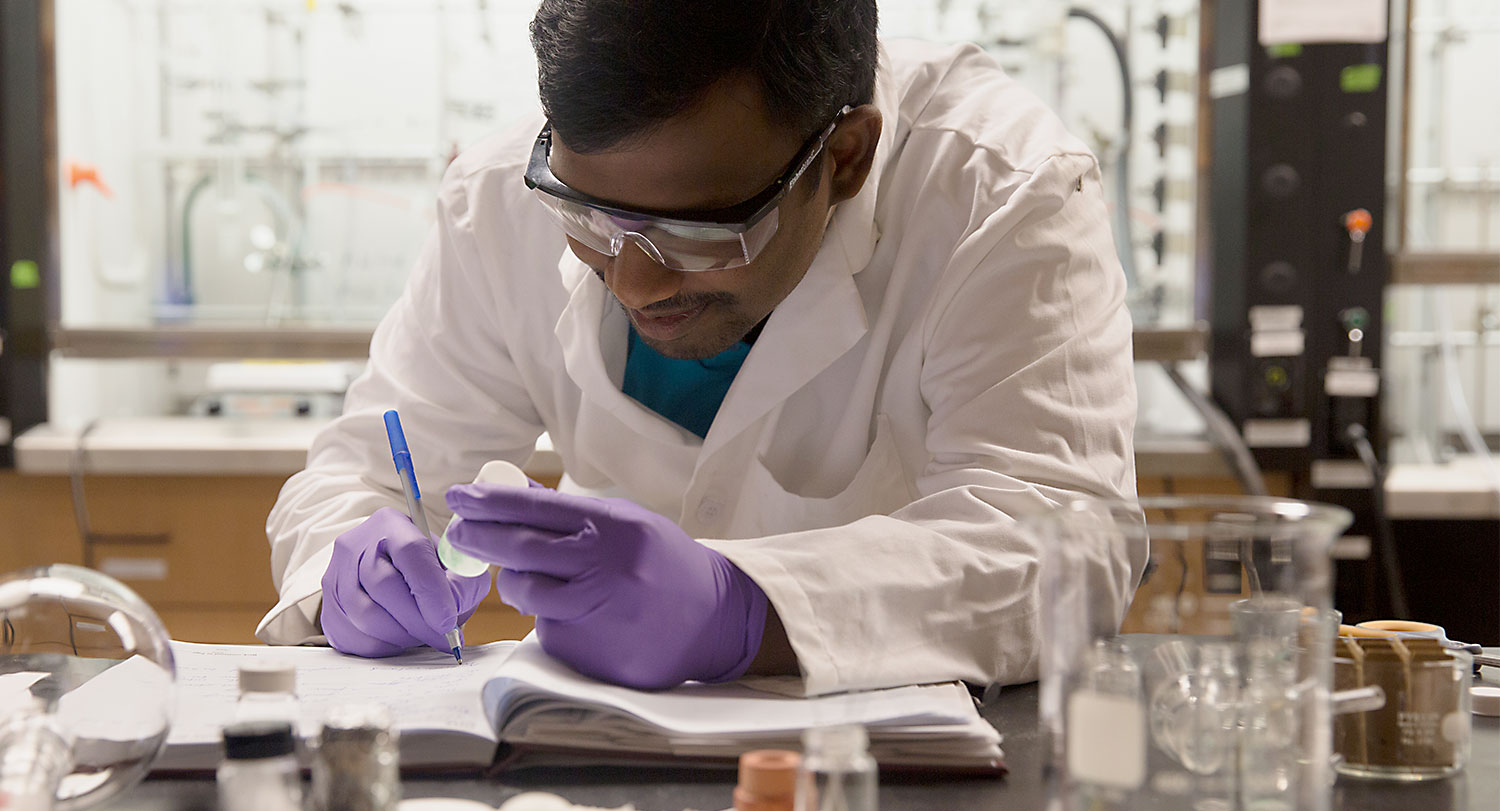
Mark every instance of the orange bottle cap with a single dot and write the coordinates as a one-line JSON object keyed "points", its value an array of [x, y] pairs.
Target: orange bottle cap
{"points": [[768, 780]]}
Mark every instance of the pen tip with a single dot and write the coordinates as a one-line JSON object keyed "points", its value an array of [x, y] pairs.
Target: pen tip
{"points": [[459, 655]]}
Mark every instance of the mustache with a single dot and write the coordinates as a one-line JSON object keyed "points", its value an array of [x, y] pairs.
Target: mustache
{"points": [[677, 303]]}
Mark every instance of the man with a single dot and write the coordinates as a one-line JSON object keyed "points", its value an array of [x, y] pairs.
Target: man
{"points": [[825, 319]]}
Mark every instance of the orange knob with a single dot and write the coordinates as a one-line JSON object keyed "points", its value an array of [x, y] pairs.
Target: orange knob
{"points": [[1359, 221], [87, 173]]}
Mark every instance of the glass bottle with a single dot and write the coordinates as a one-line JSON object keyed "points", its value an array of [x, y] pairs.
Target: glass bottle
{"points": [[1209, 740], [34, 759], [1268, 728], [837, 772], [268, 692], [259, 771]]}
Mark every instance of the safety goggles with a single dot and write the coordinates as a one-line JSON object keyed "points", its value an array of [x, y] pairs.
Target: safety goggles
{"points": [[691, 241]]}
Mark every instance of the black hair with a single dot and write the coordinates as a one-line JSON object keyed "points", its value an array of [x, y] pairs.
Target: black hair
{"points": [[611, 70]]}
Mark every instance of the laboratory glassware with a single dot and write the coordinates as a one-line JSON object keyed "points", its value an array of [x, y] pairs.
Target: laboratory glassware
{"points": [[86, 675], [268, 692], [260, 771], [837, 772], [1423, 731], [1212, 691]]}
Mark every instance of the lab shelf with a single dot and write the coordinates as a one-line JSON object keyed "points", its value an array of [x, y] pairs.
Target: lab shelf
{"points": [[337, 343], [1445, 268], [213, 343], [1167, 345]]}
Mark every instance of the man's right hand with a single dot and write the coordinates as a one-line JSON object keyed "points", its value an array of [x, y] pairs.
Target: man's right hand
{"points": [[385, 591]]}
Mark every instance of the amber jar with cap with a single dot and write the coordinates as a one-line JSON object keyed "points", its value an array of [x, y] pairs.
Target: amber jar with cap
{"points": [[1422, 732], [768, 780]]}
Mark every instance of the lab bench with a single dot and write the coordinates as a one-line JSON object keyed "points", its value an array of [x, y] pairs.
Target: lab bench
{"points": [[208, 446], [1013, 711]]}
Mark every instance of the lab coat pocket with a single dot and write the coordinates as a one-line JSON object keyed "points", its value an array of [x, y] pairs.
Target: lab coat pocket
{"points": [[879, 486]]}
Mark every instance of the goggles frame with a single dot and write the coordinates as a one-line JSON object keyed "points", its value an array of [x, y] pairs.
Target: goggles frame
{"points": [[732, 222]]}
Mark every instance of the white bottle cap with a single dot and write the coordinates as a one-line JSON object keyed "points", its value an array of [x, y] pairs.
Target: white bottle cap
{"points": [[268, 677], [501, 472], [1486, 699]]}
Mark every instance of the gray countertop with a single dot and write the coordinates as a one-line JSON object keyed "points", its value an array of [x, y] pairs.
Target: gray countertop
{"points": [[1462, 488], [1013, 712]]}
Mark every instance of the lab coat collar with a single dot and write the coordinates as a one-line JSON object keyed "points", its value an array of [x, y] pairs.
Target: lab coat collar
{"points": [[853, 228], [824, 316], [814, 326], [593, 332]]}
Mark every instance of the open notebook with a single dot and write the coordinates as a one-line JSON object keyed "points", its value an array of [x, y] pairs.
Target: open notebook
{"points": [[455, 716]]}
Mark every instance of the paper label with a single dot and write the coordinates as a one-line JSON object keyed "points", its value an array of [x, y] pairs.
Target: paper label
{"points": [[1351, 547], [1230, 80], [1280, 344], [1278, 433], [135, 568], [1269, 317], [1106, 739], [1303, 21], [1351, 382], [1341, 474]]}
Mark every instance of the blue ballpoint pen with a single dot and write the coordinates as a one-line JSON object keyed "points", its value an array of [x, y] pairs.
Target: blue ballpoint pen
{"points": [[408, 475]]}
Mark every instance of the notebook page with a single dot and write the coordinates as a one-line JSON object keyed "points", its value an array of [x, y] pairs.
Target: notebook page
{"points": [[423, 688], [721, 709]]}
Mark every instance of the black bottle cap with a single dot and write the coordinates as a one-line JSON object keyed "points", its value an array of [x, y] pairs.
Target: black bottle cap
{"points": [[258, 739]]}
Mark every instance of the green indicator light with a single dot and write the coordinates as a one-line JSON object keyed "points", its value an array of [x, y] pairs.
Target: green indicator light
{"points": [[1356, 318], [1360, 79], [1286, 50], [25, 275], [1276, 376]]}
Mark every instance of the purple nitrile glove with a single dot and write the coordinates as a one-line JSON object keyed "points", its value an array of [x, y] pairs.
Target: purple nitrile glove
{"points": [[385, 591], [619, 593]]}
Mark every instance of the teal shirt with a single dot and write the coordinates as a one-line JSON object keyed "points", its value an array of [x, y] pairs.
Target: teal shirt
{"points": [[687, 392]]}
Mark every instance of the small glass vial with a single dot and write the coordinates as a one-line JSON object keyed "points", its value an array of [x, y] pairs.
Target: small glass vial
{"points": [[358, 767], [268, 692], [259, 771], [837, 772]]}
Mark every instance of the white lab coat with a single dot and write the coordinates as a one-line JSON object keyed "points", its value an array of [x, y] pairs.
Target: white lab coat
{"points": [[957, 357]]}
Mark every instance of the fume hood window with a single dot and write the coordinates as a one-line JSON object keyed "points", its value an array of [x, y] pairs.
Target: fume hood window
{"points": [[268, 162]]}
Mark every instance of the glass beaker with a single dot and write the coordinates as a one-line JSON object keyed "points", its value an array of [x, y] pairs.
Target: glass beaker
{"points": [[86, 675], [1212, 689], [1422, 732]]}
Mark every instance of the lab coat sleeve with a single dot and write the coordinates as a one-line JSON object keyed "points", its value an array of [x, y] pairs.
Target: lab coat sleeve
{"points": [[1027, 372], [436, 358]]}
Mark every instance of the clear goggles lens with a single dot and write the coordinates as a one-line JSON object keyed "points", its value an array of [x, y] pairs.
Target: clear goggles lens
{"points": [[675, 245]]}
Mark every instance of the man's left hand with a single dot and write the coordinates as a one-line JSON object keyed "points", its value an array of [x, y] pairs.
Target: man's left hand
{"points": [[620, 593]]}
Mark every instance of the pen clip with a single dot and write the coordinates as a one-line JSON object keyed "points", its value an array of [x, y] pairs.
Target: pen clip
{"points": [[405, 470]]}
